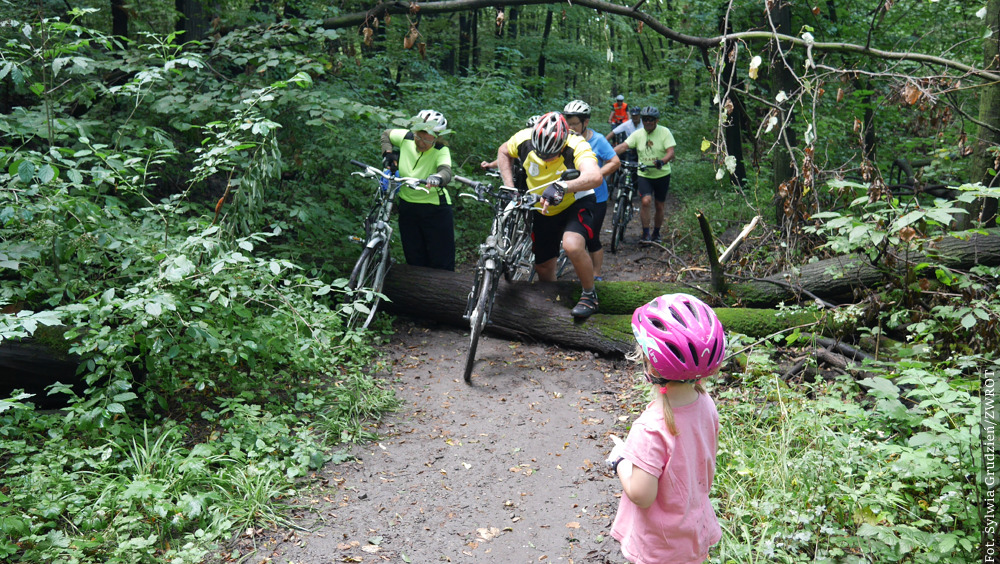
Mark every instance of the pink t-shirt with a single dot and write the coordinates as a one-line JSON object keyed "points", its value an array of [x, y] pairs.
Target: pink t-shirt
{"points": [[681, 525]]}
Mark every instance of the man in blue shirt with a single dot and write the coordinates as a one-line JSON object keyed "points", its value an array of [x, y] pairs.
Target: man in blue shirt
{"points": [[577, 115]]}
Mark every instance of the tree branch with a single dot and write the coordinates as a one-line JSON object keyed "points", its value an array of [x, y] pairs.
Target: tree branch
{"points": [[447, 6]]}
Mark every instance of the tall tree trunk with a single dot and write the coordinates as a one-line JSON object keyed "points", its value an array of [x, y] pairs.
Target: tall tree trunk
{"points": [[475, 41], [988, 135], [119, 19], [545, 40], [449, 60], [464, 47], [786, 187], [733, 127], [192, 25], [512, 14]]}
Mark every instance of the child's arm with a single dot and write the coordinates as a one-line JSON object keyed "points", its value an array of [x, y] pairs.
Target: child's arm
{"points": [[640, 486]]}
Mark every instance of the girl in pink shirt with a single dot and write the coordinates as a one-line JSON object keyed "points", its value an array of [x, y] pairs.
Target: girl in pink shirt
{"points": [[667, 462]]}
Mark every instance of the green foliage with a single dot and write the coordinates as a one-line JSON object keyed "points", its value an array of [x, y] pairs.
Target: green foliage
{"points": [[183, 216], [217, 367], [813, 476]]}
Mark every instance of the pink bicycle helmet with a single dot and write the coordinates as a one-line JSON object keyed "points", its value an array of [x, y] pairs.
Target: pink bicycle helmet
{"points": [[549, 135], [681, 336]]}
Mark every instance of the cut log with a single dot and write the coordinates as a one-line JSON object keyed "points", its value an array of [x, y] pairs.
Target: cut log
{"points": [[540, 311]]}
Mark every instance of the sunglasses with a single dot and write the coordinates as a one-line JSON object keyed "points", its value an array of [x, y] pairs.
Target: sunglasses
{"points": [[649, 119]]}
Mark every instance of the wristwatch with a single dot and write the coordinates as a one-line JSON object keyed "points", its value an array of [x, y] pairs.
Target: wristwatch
{"points": [[613, 464]]}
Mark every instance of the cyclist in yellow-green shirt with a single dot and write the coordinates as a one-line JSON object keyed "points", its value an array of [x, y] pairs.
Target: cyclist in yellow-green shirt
{"points": [[426, 221], [655, 146], [568, 209]]}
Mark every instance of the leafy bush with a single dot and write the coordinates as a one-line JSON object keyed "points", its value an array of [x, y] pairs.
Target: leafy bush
{"points": [[219, 374], [811, 475]]}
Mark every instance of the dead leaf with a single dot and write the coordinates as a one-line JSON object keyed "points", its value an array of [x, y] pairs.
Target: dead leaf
{"points": [[573, 525], [371, 548], [911, 94], [488, 533]]}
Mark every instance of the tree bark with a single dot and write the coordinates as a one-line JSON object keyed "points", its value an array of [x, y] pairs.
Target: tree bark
{"points": [[540, 311], [988, 136]]}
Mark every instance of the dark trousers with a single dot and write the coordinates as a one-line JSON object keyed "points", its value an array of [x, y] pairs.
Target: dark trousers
{"points": [[428, 235]]}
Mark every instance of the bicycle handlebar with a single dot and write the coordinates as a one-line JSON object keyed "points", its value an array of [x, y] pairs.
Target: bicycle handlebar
{"points": [[634, 164], [371, 171]]}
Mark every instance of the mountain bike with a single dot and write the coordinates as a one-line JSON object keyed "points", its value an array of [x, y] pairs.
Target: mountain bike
{"points": [[504, 253], [623, 210], [370, 270]]}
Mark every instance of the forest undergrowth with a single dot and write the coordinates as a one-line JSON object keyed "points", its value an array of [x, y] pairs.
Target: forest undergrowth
{"points": [[181, 233]]}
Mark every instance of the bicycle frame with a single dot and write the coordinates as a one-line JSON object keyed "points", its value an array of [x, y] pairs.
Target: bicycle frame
{"points": [[370, 270], [499, 254]]}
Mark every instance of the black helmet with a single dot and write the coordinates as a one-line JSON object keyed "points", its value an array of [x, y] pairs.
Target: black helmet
{"points": [[650, 112], [634, 110]]}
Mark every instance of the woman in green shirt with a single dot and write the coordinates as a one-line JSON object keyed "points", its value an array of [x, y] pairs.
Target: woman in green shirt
{"points": [[426, 222]]}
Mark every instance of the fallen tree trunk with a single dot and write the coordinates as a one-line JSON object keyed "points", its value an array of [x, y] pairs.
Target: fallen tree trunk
{"points": [[540, 311], [838, 277]]}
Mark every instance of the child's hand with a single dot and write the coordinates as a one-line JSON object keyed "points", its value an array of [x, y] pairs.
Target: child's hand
{"points": [[617, 450]]}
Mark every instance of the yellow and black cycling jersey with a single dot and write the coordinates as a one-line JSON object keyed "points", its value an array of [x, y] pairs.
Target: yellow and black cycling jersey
{"points": [[539, 171]]}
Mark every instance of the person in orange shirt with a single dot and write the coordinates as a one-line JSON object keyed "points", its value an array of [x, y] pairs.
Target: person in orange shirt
{"points": [[619, 111]]}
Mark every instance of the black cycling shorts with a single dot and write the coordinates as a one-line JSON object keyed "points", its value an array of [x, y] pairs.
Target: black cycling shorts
{"points": [[657, 187], [600, 210], [547, 230]]}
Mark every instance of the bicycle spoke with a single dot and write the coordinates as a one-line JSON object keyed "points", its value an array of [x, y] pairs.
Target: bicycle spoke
{"points": [[478, 318]]}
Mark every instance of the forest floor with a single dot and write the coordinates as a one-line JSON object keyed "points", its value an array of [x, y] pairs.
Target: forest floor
{"points": [[507, 470]]}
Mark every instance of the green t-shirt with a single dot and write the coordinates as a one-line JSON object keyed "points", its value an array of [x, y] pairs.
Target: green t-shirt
{"points": [[652, 146], [415, 164]]}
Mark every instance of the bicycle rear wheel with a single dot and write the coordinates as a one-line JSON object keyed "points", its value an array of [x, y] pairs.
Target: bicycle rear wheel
{"points": [[369, 274], [478, 318]]}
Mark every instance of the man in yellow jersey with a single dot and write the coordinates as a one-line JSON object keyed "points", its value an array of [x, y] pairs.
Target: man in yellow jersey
{"points": [[568, 209], [426, 222], [655, 146]]}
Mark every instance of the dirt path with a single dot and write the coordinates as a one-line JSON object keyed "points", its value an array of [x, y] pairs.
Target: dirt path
{"points": [[508, 470]]}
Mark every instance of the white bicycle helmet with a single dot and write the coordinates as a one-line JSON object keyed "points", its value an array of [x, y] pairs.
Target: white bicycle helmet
{"points": [[433, 116], [532, 120], [549, 135], [620, 98], [577, 108]]}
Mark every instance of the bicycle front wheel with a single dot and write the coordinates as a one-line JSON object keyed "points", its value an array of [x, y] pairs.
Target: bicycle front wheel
{"points": [[618, 222], [478, 318], [369, 274]]}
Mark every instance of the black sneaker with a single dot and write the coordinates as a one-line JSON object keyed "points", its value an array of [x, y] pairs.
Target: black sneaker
{"points": [[644, 238], [655, 238], [586, 307]]}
